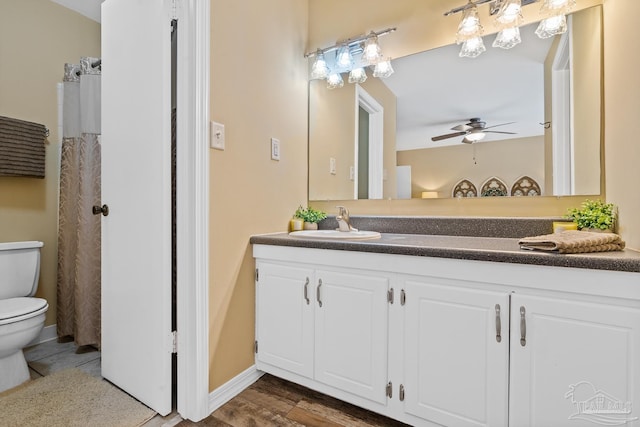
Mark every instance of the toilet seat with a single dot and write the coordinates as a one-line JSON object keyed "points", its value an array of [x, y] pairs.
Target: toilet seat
{"points": [[22, 308]]}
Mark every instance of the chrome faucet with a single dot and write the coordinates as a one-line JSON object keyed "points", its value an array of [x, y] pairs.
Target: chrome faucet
{"points": [[344, 223]]}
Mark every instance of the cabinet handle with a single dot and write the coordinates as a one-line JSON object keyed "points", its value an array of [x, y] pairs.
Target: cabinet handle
{"points": [[318, 293], [498, 324], [523, 328], [306, 291]]}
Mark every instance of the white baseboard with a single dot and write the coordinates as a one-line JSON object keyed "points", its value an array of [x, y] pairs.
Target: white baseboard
{"points": [[48, 333], [233, 387]]}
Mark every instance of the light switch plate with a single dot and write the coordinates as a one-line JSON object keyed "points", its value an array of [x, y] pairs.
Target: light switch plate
{"points": [[275, 149], [332, 165], [216, 136]]}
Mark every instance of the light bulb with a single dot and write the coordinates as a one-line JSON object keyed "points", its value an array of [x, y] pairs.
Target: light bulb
{"points": [[472, 48], [507, 38], [357, 75], [319, 69], [344, 60], [371, 53], [510, 12], [383, 69], [469, 26], [551, 26], [334, 81]]}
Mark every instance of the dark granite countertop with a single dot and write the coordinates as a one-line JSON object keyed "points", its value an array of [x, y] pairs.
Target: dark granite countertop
{"points": [[462, 247]]}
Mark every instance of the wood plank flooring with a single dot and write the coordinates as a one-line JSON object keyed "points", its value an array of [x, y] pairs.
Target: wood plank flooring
{"points": [[271, 401]]}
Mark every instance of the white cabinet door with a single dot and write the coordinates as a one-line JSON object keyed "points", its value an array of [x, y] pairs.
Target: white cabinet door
{"points": [[456, 367], [136, 185], [284, 317], [351, 333], [578, 364]]}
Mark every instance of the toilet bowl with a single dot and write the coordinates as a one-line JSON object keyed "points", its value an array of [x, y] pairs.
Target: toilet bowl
{"points": [[21, 315]]}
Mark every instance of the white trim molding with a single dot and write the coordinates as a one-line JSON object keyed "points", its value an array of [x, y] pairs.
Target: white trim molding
{"points": [[233, 387], [193, 208]]}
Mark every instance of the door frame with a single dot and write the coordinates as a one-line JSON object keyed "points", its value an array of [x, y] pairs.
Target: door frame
{"points": [[192, 222], [376, 164]]}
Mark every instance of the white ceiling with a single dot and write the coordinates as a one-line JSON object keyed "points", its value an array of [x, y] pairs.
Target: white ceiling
{"points": [[437, 90], [88, 8]]}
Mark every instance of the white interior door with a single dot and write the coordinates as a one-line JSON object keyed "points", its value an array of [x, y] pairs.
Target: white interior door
{"points": [[136, 185]]}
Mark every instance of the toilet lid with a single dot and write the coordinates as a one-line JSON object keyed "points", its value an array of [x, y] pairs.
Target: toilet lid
{"points": [[18, 307]]}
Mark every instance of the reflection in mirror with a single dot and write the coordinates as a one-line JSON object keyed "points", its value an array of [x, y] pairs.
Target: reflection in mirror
{"points": [[545, 95]]}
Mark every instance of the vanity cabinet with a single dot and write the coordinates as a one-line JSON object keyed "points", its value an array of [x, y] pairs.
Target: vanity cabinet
{"points": [[573, 362], [456, 353], [431, 341], [323, 324]]}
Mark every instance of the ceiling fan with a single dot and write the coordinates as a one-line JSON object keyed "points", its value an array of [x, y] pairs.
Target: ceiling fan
{"points": [[473, 131]]}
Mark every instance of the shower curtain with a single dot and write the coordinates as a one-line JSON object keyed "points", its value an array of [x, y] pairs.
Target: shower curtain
{"points": [[79, 255]]}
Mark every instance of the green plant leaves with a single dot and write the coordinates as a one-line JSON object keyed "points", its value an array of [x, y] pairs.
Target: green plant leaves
{"points": [[594, 214]]}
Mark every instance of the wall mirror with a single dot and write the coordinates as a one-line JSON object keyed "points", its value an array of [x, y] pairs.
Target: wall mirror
{"points": [[545, 93]]}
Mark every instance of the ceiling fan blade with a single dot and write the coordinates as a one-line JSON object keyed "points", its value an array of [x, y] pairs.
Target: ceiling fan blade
{"points": [[462, 128], [497, 131], [449, 135], [501, 124]]}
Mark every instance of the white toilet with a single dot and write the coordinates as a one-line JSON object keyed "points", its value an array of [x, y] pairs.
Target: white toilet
{"points": [[21, 315]]}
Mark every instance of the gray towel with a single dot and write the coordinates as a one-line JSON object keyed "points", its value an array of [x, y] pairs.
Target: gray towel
{"points": [[574, 242], [22, 151]]}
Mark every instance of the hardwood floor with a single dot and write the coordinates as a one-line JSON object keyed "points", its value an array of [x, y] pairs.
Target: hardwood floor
{"points": [[271, 401]]}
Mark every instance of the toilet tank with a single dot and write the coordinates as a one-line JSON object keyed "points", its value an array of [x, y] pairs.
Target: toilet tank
{"points": [[19, 269]]}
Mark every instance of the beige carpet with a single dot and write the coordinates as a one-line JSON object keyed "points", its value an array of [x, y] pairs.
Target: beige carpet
{"points": [[70, 398]]}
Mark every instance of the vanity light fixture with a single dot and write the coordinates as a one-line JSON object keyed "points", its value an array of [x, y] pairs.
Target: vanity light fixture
{"points": [[509, 17], [351, 56]]}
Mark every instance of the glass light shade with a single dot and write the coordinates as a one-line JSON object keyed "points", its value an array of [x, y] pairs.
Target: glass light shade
{"points": [[472, 48], [357, 75], [319, 69], [507, 38], [557, 6], [510, 12], [334, 81], [344, 60], [372, 53], [551, 26], [383, 69], [475, 136], [469, 26]]}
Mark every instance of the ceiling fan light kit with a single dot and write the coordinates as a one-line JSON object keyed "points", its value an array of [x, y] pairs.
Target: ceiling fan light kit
{"points": [[508, 17], [474, 131]]}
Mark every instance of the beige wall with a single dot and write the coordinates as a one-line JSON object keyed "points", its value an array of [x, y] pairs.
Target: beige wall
{"points": [[36, 38], [258, 91], [622, 107], [332, 119], [440, 169]]}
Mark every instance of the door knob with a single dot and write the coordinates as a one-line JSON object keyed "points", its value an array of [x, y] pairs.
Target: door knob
{"points": [[104, 210]]}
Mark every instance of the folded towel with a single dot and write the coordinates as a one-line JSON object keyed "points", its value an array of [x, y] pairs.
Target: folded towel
{"points": [[574, 242], [22, 150]]}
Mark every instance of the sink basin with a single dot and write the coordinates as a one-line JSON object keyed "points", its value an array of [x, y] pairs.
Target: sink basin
{"points": [[336, 234]]}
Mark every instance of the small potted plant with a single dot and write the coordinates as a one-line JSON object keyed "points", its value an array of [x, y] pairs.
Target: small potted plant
{"points": [[310, 216], [594, 215]]}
